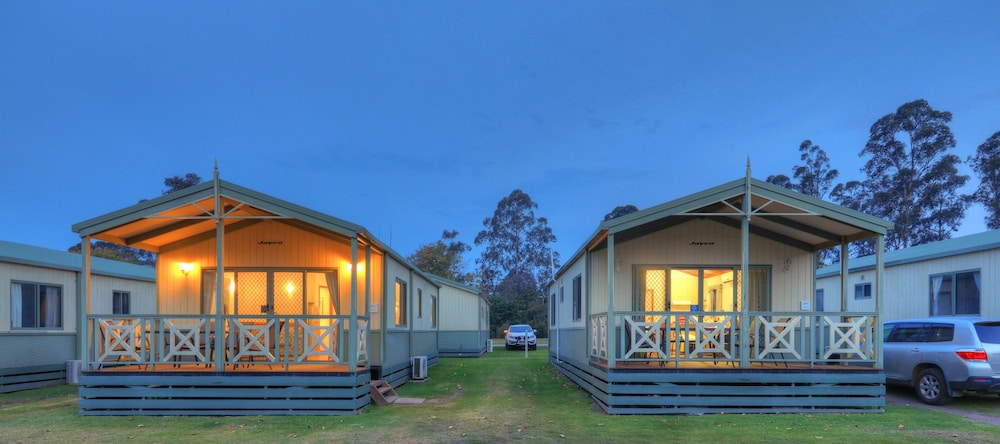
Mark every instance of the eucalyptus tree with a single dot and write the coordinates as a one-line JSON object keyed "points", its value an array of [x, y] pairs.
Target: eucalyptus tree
{"points": [[911, 177], [986, 164], [517, 248], [814, 178]]}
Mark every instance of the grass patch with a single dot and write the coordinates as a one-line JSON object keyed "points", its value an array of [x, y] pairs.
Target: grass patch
{"points": [[500, 397]]}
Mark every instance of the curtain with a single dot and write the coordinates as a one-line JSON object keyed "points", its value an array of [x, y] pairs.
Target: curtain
{"points": [[208, 294], [51, 307], [331, 283], [15, 305], [936, 282]]}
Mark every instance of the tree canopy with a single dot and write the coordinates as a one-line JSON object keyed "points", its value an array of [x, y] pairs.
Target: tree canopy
{"points": [[620, 211], [815, 179], [986, 164], [911, 178], [444, 258], [516, 247]]}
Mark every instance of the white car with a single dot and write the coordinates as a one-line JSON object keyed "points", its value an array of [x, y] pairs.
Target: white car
{"points": [[517, 334]]}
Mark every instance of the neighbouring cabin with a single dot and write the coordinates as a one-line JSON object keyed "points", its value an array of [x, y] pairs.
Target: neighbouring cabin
{"points": [[265, 307], [705, 304], [464, 323], [946, 278], [38, 327]]}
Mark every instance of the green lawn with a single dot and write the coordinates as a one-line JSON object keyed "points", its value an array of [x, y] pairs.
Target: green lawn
{"points": [[501, 397]]}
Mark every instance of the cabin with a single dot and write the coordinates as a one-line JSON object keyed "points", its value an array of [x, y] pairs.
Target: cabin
{"points": [[464, 322], [704, 304], [38, 331], [264, 307], [950, 277]]}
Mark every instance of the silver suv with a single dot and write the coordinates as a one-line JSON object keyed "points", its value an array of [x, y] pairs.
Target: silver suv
{"points": [[518, 334], [942, 357]]}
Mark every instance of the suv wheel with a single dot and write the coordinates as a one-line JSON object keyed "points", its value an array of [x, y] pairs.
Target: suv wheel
{"points": [[932, 388]]}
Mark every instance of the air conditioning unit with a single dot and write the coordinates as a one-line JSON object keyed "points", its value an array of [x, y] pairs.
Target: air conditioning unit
{"points": [[419, 372]]}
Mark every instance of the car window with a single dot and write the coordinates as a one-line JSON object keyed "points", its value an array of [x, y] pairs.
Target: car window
{"points": [[989, 332], [907, 333], [940, 333]]}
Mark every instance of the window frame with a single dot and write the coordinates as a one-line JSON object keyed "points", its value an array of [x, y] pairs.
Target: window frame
{"points": [[37, 307], [578, 297], [552, 308], [400, 317], [116, 306], [953, 291], [638, 285], [865, 291]]}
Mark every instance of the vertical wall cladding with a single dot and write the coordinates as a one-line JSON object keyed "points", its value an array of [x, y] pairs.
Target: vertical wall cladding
{"points": [[705, 243], [265, 244], [458, 310], [907, 285], [142, 295]]}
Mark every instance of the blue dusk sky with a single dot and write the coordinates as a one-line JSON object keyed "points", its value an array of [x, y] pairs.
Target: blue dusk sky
{"points": [[412, 117]]}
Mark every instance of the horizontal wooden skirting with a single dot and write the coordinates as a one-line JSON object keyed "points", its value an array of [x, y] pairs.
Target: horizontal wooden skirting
{"points": [[200, 394], [26, 378], [726, 390]]}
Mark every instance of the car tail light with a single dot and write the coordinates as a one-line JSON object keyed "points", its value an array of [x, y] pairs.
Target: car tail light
{"points": [[972, 355]]}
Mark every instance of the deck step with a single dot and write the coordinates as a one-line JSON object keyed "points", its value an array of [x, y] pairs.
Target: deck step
{"points": [[382, 392]]}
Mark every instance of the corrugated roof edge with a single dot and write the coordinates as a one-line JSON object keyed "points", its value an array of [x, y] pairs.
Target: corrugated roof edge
{"points": [[25, 254], [987, 240]]}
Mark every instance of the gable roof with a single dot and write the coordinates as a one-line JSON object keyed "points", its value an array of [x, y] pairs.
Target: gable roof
{"points": [[164, 221], [24, 254], [972, 243], [156, 223], [776, 213]]}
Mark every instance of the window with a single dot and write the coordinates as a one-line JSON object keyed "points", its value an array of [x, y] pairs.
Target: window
{"points": [[434, 311], [863, 291], [400, 302], [955, 293], [819, 299], [577, 298], [706, 289], [420, 303], [35, 305], [120, 302], [552, 304]]}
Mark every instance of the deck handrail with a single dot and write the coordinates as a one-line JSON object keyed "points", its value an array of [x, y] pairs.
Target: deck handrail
{"points": [[274, 340], [810, 338]]}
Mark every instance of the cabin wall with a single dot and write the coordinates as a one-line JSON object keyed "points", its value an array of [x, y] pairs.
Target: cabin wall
{"points": [[142, 295], [263, 244], [702, 243], [907, 286], [458, 310]]}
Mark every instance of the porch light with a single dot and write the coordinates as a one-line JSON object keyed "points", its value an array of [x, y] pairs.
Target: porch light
{"points": [[289, 288], [185, 267]]}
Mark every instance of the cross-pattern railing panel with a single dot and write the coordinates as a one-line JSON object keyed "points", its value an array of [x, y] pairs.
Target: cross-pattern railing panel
{"points": [[157, 341], [772, 337]]}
